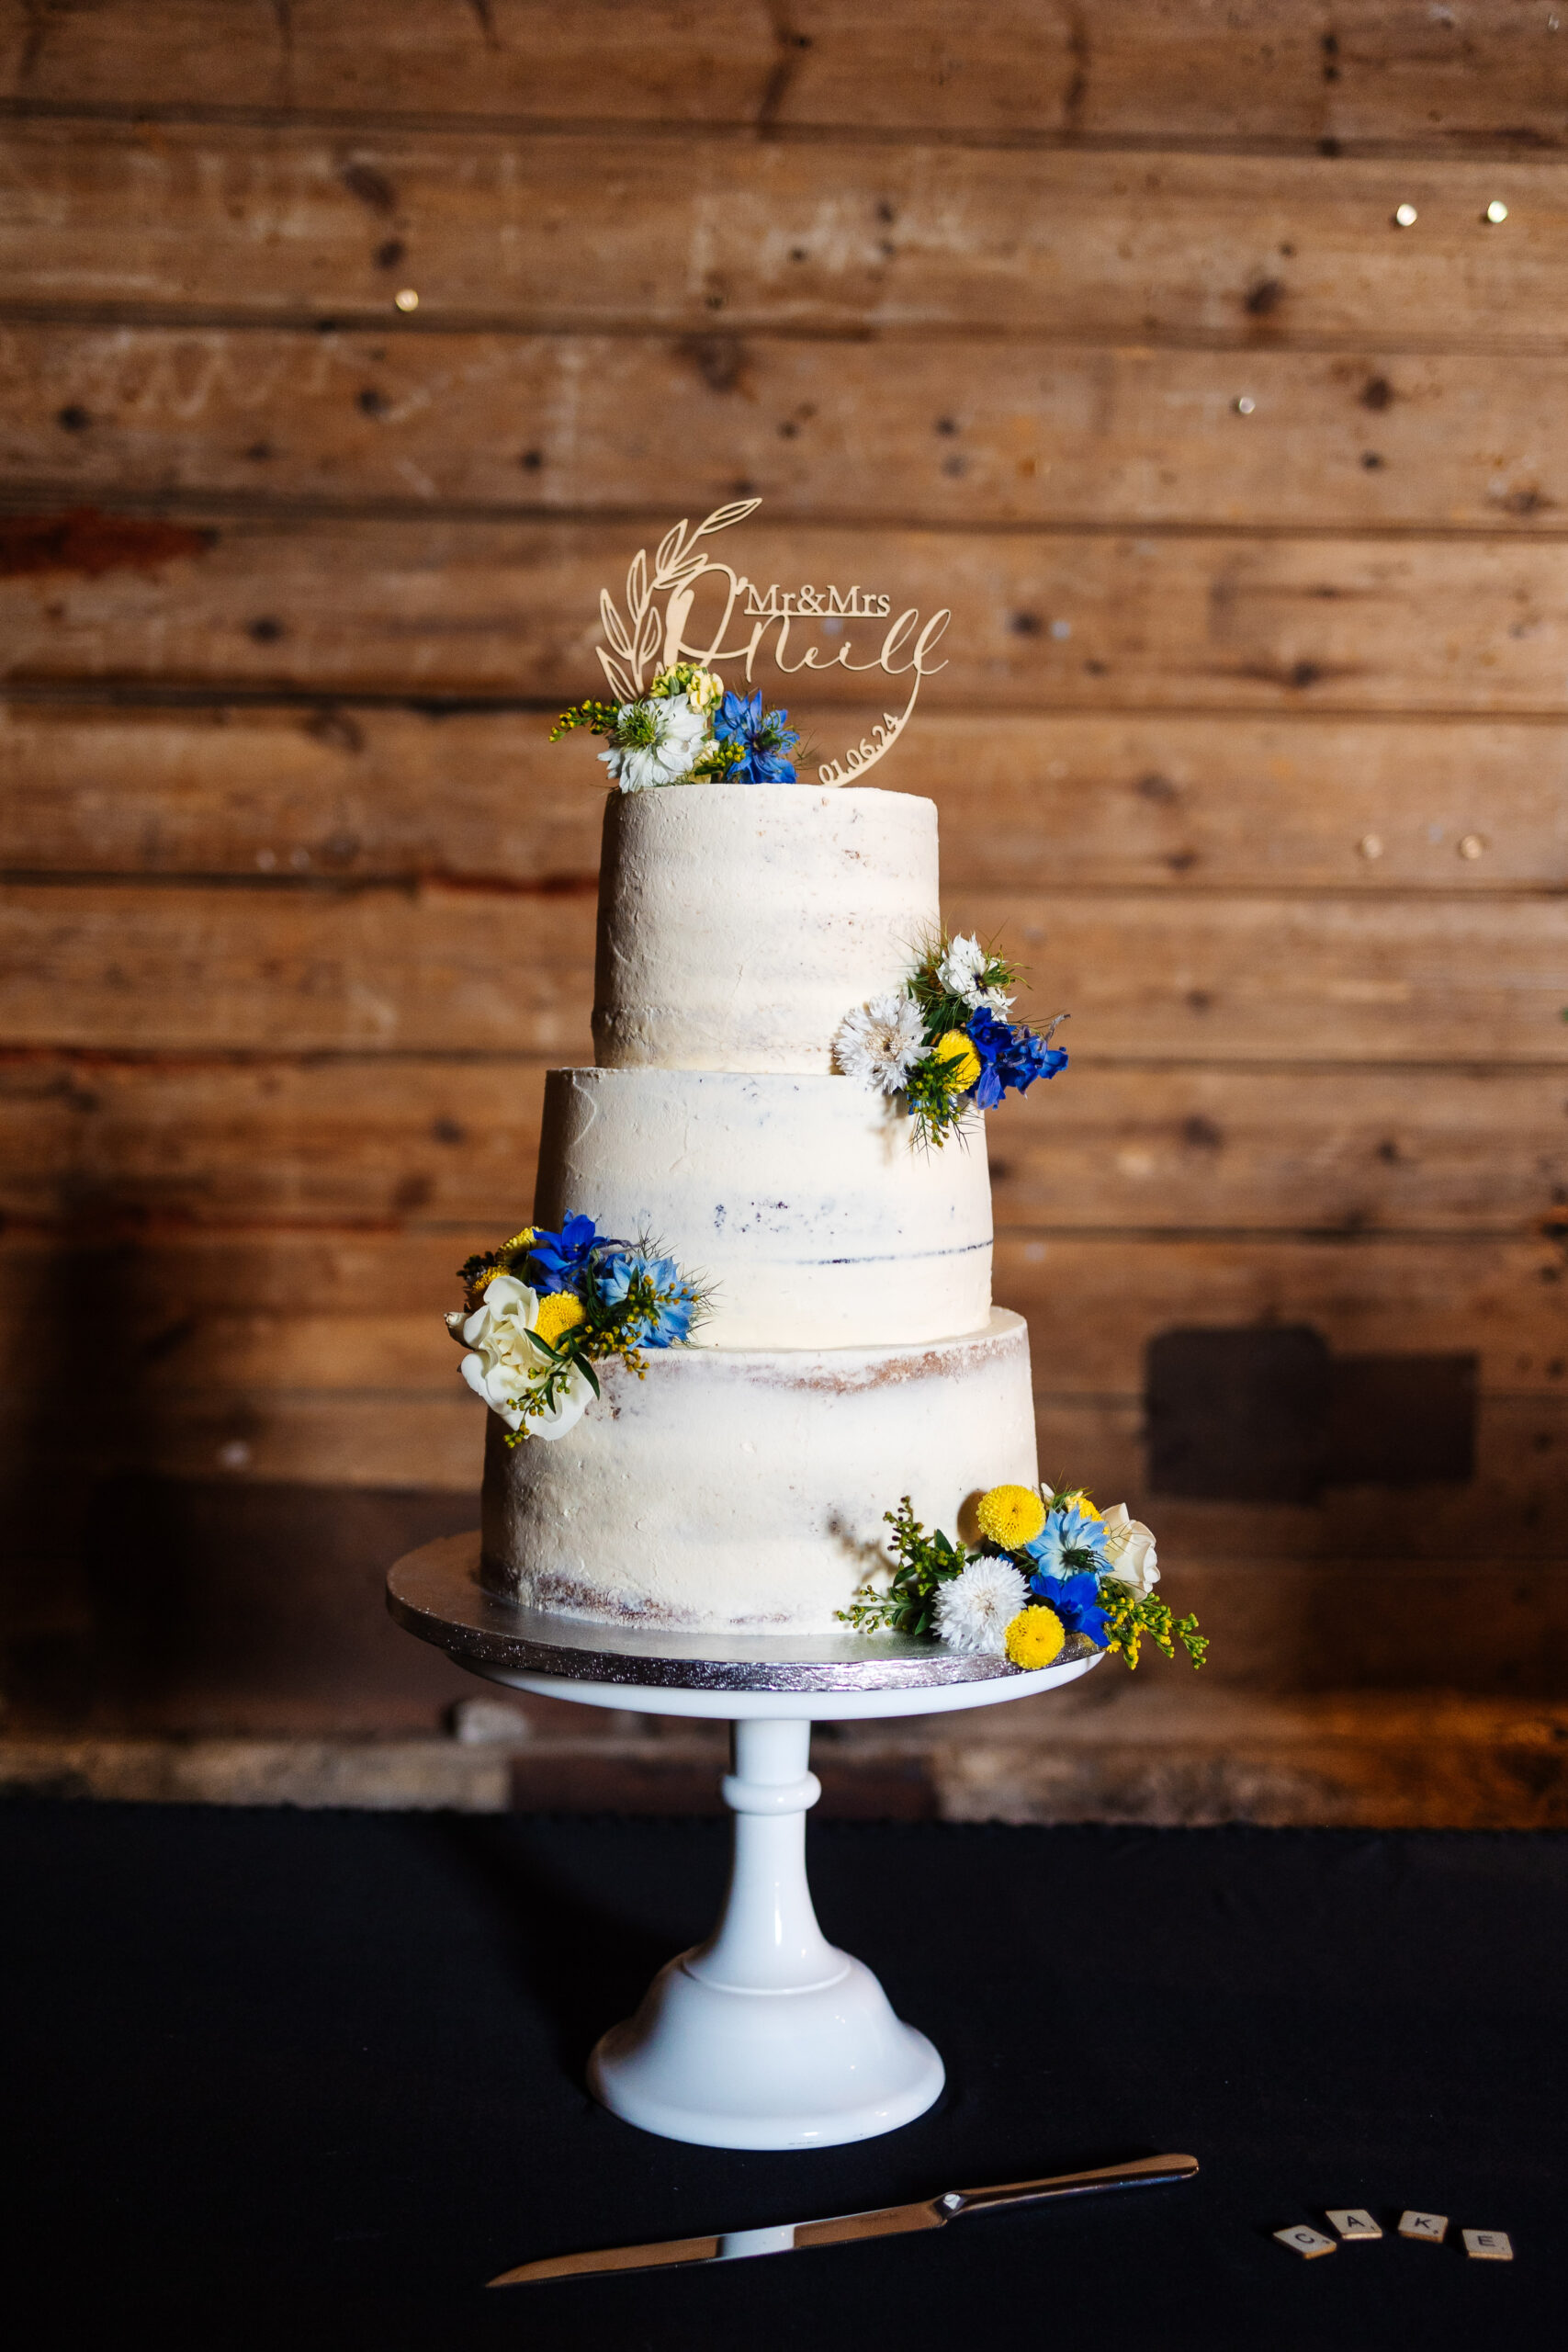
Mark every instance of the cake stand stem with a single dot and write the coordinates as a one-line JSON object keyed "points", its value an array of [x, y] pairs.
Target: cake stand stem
{"points": [[764, 2036]]}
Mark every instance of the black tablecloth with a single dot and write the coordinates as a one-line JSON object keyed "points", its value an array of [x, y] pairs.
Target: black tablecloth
{"points": [[297, 2079]]}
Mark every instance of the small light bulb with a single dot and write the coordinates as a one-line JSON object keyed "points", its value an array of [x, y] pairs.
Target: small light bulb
{"points": [[1244, 405], [406, 298], [1370, 845], [1471, 845], [1404, 216], [1496, 211]]}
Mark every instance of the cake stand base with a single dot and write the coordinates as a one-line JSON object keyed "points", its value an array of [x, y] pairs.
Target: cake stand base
{"points": [[763, 2036]]}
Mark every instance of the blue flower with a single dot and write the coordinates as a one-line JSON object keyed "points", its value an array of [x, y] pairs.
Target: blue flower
{"points": [[1009, 1056], [1075, 1600], [765, 738], [1069, 1542], [561, 1258], [669, 1310]]}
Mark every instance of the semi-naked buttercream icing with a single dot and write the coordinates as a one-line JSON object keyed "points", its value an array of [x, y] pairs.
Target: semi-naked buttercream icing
{"points": [[745, 1489], [737, 922], [849, 1353], [796, 1200]]}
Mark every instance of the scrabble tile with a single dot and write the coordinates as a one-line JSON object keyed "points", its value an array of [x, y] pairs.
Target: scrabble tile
{"points": [[1307, 2242], [1353, 2221], [1431, 2227], [1487, 2245]]}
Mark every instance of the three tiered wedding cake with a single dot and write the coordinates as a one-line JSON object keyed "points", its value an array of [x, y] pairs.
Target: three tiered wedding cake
{"points": [[849, 1352]]}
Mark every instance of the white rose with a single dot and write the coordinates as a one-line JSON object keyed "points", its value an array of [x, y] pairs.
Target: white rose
{"points": [[505, 1366], [1130, 1551]]}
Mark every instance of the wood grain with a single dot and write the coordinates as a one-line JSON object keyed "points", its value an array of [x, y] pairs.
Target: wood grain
{"points": [[1026, 433], [597, 231], [193, 969], [1339, 1151], [1044, 801], [1077, 620], [1281, 70]]}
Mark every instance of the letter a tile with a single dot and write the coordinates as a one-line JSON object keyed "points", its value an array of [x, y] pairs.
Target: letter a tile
{"points": [[1354, 2221]]}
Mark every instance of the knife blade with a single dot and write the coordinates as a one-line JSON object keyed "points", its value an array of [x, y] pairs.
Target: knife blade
{"points": [[840, 2228]]}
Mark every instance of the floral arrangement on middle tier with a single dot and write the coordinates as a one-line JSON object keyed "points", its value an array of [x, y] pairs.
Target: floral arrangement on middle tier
{"points": [[1047, 1565], [944, 1041], [544, 1308], [688, 728]]}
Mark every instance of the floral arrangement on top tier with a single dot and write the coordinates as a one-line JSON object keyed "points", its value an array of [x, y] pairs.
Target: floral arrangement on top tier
{"points": [[944, 1041], [1048, 1565], [545, 1307], [688, 728]]}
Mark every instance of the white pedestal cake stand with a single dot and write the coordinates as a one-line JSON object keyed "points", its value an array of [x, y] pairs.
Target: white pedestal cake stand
{"points": [[763, 2036]]}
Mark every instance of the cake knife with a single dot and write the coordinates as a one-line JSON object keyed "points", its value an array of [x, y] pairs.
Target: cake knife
{"points": [[884, 2220]]}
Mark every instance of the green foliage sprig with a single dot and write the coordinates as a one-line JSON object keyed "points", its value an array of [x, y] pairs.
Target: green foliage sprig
{"points": [[924, 1563], [1130, 1618], [599, 717]]}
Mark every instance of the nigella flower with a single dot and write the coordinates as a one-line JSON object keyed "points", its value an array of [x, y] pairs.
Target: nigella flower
{"points": [[974, 1611], [880, 1043], [560, 1259], [1070, 1540], [668, 1302], [1075, 1600], [765, 738], [654, 741]]}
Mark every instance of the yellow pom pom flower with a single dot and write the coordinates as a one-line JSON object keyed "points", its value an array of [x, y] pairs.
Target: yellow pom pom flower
{"points": [[560, 1312], [1036, 1637], [1011, 1516], [953, 1046]]}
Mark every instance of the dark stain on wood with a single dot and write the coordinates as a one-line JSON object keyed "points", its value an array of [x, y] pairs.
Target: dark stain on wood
{"points": [[90, 542]]}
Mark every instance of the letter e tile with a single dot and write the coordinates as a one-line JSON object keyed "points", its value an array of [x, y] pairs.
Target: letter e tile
{"points": [[1431, 2227], [1487, 2245], [1354, 2221], [1307, 2242]]}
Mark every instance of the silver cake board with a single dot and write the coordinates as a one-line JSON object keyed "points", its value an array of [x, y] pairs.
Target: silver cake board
{"points": [[763, 2036]]}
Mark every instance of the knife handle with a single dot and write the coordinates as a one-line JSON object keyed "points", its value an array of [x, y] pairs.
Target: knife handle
{"points": [[1146, 2173]]}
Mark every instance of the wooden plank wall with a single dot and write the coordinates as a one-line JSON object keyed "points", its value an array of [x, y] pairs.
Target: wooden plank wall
{"points": [[1094, 319]]}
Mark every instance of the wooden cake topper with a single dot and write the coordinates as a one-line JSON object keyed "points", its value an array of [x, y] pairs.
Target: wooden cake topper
{"points": [[648, 638]]}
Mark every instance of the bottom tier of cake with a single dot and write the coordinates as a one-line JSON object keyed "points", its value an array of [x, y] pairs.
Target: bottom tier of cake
{"points": [[742, 1491]]}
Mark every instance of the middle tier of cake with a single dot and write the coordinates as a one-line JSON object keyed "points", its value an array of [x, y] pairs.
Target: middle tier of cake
{"points": [[801, 1201]]}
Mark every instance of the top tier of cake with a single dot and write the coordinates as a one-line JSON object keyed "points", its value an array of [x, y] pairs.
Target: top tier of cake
{"points": [[739, 923]]}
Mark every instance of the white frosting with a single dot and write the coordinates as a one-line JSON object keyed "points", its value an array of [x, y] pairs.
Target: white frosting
{"points": [[745, 1490], [802, 1200], [739, 923]]}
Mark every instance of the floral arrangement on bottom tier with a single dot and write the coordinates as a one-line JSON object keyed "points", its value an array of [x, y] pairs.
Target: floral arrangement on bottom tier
{"points": [[544, 1308], [944, 1041], [1048, 1565]]}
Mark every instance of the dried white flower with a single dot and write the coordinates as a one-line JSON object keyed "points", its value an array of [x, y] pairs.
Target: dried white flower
{"points": [[1130, 1551], [881, 1042], [663, 737], [504, 1365], [975, 1610]]}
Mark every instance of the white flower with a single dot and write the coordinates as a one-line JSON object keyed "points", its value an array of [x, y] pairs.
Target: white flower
{"points": [[975, 1610], [1130, 1551], [881, 1042], [960, 969], [505, 1365], [675, 734]]}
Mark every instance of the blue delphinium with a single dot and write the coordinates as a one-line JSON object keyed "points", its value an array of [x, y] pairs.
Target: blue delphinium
{"points": [[1075, 1600], [1009, 1056], [766, 740], [561, 1260], [669, 1300]]}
